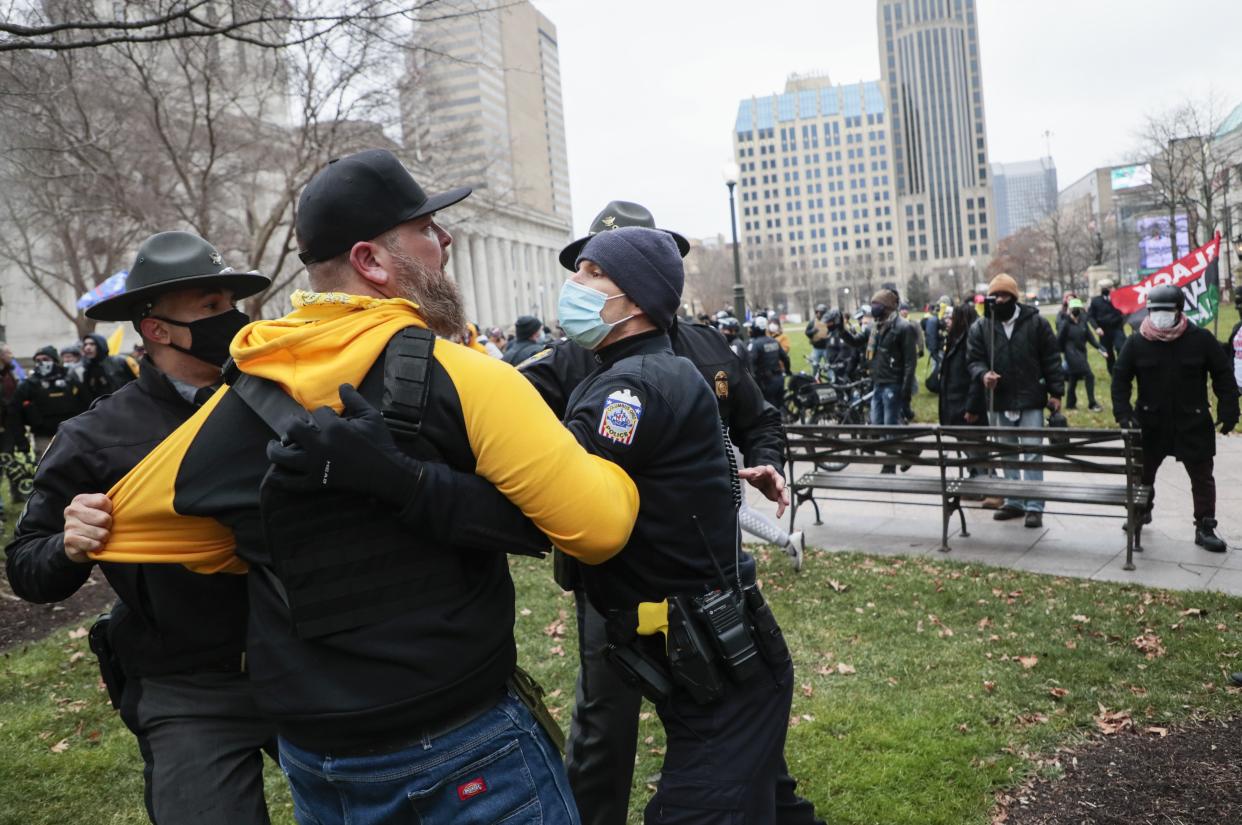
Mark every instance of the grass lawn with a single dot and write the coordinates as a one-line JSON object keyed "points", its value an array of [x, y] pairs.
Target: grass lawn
{"points": [[922, 688], [925, 409]]}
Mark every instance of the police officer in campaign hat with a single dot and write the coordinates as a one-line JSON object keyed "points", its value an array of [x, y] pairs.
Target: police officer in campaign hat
{"points": [[1172, 360], [684, 620], [172, 653], [345, 463], [604, 732]]}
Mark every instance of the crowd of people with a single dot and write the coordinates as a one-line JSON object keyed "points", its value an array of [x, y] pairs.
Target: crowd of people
{"points": [[306, 519], [60, 385]]}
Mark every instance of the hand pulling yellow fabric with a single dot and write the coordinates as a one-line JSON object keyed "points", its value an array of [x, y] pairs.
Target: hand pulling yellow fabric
{"points": [[333, 338]]}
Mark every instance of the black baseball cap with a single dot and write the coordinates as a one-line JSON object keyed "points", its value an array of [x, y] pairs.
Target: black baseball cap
{"points": [[358, 197]]}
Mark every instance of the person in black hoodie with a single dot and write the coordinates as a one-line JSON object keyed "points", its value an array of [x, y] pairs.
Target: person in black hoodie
{"points": [[1013, 353], [174, 645], [1172, 360], [1109, 323], [103, 373]]}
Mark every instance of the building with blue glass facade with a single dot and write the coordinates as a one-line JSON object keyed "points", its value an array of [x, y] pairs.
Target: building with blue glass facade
{"points": [[816, 208], [929, 60], [1025, 192]]}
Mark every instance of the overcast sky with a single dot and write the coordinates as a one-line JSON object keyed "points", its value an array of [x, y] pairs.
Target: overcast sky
{"points": [[651, 88]]}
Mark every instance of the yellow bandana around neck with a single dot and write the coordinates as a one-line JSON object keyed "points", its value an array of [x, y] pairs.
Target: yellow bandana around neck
{"points": [[329, 339]]}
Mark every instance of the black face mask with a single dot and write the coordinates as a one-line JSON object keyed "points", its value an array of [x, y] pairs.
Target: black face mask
{"points": [[1003, 311], [210, 337], [878, 311], [1105, 292], [1077, 313]]}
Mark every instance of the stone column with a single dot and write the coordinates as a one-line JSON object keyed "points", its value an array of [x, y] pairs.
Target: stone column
{"points": [[482, 270], [548, 276], [499, 278], [463, 273]]}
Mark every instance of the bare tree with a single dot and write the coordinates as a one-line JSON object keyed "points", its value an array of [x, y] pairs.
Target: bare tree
{"points": [[100, 147], [265, 24], [1189, 169]]}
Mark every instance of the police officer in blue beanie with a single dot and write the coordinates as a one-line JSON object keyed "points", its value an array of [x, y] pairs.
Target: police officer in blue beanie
{"points": [[686, 623]]}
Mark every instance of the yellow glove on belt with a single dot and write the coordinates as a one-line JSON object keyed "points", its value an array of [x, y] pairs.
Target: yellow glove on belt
{"points": [[653, 618]]}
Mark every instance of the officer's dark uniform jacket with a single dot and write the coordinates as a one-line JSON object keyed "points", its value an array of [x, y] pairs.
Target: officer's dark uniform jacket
{"points": [[437, 640], [754, 425], [168, 620], [649, 411], [768, 360], [44, 402], [739, 349]]}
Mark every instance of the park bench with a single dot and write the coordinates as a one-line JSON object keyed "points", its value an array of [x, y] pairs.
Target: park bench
{"points": [[1113, 455]]}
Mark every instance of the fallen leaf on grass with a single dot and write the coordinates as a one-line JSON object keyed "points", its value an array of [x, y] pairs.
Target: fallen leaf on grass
{"points": [[1081, 619], [989, 686], [557, 628], [76, 657], [1194, 611], [1026, 720], [1028, 662], [1161, 732], [984, 623], [808, 690], [1149, 645], [844, 669], [78, 633], [1110, 722], [1138, 691], [61, 746], [525, 611], [1070, 644], [1058, 693], [556, 650], [838, 586]]}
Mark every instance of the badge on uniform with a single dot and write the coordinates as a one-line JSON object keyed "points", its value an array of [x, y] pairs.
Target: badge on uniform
{"points": [[622, 409]]}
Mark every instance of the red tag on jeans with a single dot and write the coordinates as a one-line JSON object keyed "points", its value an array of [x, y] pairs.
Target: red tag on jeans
{"points": [[471, 789]]}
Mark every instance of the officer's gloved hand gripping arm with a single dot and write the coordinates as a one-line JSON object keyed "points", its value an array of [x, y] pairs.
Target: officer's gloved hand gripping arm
{"points": [[355, 452]]}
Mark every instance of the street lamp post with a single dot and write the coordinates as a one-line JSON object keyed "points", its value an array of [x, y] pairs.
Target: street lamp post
{"points": [[731, 173]]}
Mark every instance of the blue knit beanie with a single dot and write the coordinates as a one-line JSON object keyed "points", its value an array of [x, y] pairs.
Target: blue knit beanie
{"points": [[645, 264]]}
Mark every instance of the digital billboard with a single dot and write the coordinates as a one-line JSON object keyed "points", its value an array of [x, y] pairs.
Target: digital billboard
{"points": [[1155, 243], [1128, 177]]}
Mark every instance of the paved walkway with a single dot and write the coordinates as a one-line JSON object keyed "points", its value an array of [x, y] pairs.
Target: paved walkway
{"points": [[1088, 546]]}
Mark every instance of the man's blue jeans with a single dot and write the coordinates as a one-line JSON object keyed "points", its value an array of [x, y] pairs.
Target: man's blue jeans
{"points": [[1026, 418], [498, 767], [886, 404]]}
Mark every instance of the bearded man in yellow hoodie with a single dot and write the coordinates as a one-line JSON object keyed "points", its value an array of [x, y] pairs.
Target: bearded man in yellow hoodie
{"points": [[381, 606]]}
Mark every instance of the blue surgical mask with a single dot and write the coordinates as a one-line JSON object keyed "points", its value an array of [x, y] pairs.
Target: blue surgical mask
{"points": [[578, 310]]}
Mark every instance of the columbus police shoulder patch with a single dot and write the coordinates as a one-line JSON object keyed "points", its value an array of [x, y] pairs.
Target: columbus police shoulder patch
{"points": [[622, 409], [536, 358]]}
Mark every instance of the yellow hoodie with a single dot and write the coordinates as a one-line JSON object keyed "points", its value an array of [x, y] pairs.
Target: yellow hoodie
{"points": [[585, 504]]}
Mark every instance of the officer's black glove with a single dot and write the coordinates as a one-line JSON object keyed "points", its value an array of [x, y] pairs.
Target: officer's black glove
{"points": [[352, 452], [1226, 427], [1127, 422]]}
